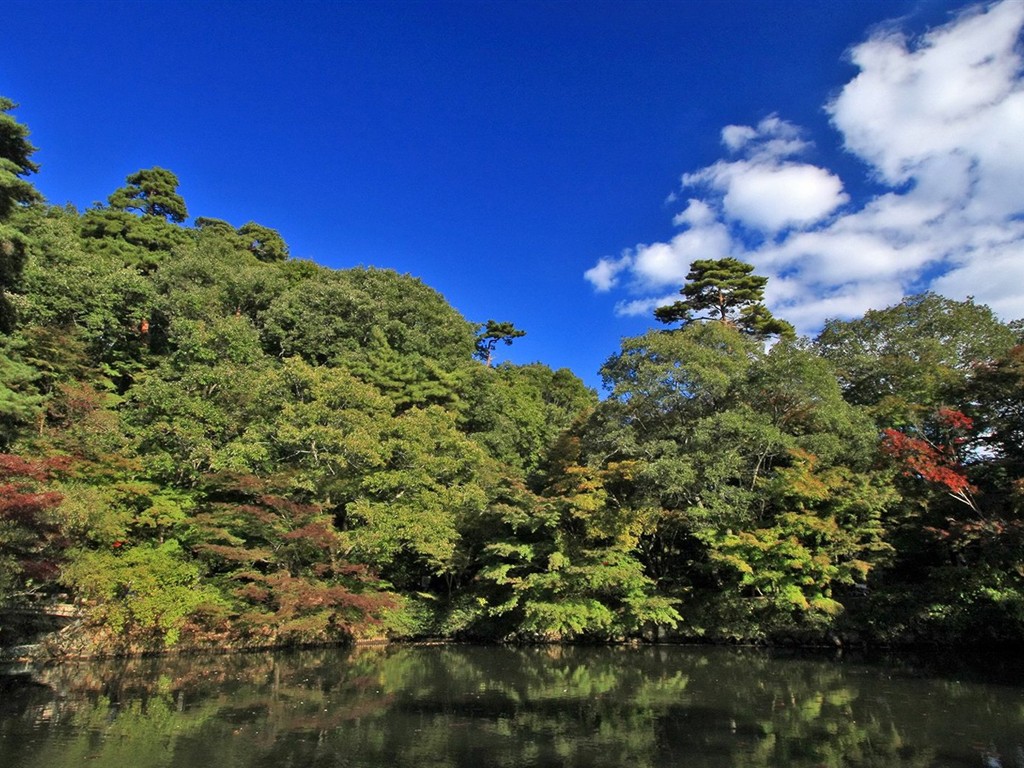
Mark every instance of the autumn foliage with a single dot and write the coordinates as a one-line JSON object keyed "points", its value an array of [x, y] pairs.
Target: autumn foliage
{"points": [[30, 538], [938, 460]]}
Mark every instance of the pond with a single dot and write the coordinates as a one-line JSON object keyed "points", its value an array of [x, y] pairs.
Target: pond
{"points": [[482, 707]]}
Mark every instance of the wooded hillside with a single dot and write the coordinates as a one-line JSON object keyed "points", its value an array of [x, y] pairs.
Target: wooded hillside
{"points": [[206, 441]]}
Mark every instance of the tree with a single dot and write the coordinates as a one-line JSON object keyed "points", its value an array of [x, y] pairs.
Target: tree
{"points": [[998, 393], [489, 334], [750, 477], [282, 564], [826, 532], [217, 278], [20, 401], [518, 411], [152, 192], [30, 540], [15, 162], [728, 292], [960, 571], [208, 224], [15, 151], [407, 512], [147, 592], [911, 357], [140, 241], [408, 380], [934, 455], [262, 242], [566, 567], [939, 378], [327, 314]]}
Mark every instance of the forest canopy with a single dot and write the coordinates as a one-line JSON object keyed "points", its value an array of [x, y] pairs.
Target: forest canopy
{"points": [[206, 441]]}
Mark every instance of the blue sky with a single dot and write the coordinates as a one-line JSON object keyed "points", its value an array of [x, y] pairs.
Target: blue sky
{"points": [[559, 164]]}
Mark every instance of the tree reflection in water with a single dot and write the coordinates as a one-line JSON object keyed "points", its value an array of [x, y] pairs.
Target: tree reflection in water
{"points": [[454, 706]]}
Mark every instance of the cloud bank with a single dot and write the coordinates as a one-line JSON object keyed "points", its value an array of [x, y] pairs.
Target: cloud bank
{"points": [[939, 123]]}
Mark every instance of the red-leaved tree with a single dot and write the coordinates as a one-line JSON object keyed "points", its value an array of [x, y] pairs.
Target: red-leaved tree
{"points": [[30, 539], [934, 454]]}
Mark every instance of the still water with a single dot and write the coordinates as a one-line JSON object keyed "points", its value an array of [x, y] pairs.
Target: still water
{"points": [[484, 707]]}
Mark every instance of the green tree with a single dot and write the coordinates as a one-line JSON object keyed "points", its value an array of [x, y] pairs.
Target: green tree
{"points": [[408, 380], [86, 297], [20, 400], [517, 412], [565, 566], [15, 162], [152, 192], [140, 241], [321, 427], [15, 191], [722, 438], [409, 510], [913, 356], [218, 278], [414, 317], [826, 532], [490, 334], [216, 226], [262, 242], [327, 315], [145, 593], [725, 290]]}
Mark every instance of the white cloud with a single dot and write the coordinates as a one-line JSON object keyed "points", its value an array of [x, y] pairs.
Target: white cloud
{"points": [[771, 198], [910, 103], [735, 136], [851, 301], [773, 139], [939, 119], [605, 274], [644, 307], [765, 190], [696, 214], [654, 266], [661, 264], [989, 267]]}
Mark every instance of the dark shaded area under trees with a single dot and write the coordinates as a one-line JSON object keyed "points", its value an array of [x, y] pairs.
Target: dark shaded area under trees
{"points": [[207, 442]]}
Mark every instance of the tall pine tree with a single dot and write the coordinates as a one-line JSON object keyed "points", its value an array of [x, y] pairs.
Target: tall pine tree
{"points": [[726, 291]]}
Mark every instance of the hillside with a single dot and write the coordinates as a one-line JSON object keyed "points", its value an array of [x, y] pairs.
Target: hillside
{"points": [[207, 442]]}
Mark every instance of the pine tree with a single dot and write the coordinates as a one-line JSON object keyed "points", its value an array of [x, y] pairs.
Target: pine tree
{"points": [[15, 151], [726, 291], [490, 334]]}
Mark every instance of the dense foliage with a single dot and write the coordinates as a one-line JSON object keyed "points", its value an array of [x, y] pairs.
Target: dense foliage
{"points": [[208, 441]]}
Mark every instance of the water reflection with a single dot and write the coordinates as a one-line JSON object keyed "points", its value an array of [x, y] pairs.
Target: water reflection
{"points": [[454, 706]]}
